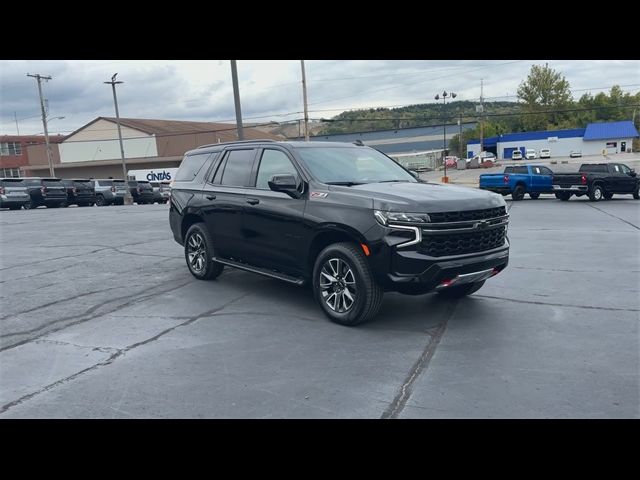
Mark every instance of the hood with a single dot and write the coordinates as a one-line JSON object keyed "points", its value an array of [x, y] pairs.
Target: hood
{"points": [[424, 197]]}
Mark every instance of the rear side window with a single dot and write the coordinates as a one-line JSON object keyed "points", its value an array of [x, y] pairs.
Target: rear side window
{"points": [[190, 167], [508, 169], [520, 170], [237, 170]]}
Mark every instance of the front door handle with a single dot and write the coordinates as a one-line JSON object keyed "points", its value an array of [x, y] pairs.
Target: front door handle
{"points": [[253, 201], [211, 197]]}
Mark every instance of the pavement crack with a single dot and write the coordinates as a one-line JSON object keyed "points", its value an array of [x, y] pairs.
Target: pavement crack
{"points": [[82, 317], [118, 353], [614, 216], [533, 302], [399, 402], [56, 302]]}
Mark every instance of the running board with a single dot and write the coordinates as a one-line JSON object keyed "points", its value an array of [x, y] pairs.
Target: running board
{"points": [[261, 271]]}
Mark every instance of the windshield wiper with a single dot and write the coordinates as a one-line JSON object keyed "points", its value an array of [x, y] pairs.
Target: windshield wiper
{"points": [[346, 184], [389, 181]]}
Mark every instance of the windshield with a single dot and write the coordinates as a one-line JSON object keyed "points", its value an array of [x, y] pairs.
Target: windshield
{"points": [[348, 165]]}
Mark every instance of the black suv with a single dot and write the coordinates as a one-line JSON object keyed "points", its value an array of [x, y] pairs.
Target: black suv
{"points": [[45, 191], [141, 191], [80, 192], [344, 218]]}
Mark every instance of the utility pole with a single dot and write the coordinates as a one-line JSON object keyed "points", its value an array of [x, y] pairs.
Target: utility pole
{"points": [[460, 134], [304, 97], [39, 78], [128, 199], [481, 115], [15, 115], [236, 99]]}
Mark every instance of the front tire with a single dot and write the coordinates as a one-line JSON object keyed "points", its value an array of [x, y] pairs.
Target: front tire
{"points": [[461, 290], [534, 196], [636, 192], [344, 286], [100, 200], [518, 193], [596, 193], [198, 250]]}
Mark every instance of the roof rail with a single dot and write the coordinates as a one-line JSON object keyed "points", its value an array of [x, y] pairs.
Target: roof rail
{"points": [[239, 141]]}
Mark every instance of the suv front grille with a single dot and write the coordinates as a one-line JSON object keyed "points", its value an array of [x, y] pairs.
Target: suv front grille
{"points": [[461, 243], [467, 215]]}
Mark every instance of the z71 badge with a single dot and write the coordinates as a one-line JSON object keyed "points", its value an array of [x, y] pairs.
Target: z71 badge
{"points": [[318, 195]]}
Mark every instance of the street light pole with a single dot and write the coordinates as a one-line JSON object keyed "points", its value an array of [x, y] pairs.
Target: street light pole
{"points": [[444, 96], [128, 199]]}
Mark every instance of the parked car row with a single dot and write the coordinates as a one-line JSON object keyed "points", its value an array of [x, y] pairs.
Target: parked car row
{"points": [[33, 192], [595, 180]]}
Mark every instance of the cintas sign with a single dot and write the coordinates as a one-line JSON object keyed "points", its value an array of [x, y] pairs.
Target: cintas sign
{"points": [[153, 175]]}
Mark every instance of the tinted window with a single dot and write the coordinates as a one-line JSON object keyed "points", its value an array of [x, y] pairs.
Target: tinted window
{"points": [[520, 170], [238, 168], [508, 169], [117, 182], [190, 167], [83, 183], [625, 169], [132, 183], [545, 171], [52, 183], [273, 162], [105, 183], [155, 184], [593, 168], [12, 182]]}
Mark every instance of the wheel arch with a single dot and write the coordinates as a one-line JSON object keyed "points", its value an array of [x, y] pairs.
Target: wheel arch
{"points": [[327, 235], [188, 220]]}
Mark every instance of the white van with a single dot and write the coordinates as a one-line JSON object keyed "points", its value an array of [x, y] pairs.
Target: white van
{"points": [[516, 155], [545, 153], [531, 154]]}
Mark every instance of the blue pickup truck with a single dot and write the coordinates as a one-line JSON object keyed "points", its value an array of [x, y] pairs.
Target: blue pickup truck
{"points": [[518, 180]]}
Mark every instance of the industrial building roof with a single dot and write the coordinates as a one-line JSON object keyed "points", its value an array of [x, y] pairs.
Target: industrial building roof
{"points": [[594, 131], [604, 131]]}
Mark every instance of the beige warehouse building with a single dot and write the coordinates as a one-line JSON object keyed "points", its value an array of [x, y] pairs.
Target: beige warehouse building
{"points": [[93, 151]]}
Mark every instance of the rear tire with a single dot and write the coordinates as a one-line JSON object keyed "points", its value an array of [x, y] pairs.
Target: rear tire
{"points": [[15, 207], [534, 196], [596, 193], [461, 290], [356, 295], [636, 192], [28, 206], [198, 250], [100, 200], [518, 193]]}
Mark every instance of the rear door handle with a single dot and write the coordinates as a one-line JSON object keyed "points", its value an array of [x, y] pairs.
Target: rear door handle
{"points": [[253, 201], [211, 197]]}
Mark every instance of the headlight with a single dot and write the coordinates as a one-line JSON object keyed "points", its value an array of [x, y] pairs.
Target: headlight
{"points": [[385, 218]]}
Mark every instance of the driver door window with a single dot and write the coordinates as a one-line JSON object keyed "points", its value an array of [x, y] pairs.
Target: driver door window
{"points": [[273, 162]]}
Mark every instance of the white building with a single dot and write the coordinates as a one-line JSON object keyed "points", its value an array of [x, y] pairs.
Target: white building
{"points": [[596, 139]]}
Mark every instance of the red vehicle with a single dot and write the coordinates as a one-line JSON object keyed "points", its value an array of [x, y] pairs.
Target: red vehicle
{"points": [[451, 162]]}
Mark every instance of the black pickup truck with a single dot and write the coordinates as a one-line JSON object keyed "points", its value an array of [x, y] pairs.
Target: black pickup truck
{"points": [[598, 181]]}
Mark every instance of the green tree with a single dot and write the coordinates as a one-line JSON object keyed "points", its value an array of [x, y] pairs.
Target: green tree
{"points": [[544, 90]]}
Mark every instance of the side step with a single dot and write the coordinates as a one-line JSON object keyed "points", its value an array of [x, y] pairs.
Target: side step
{"points": [[262, 271]]}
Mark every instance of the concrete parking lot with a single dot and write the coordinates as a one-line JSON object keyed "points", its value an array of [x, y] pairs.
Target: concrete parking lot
{"points": [[100, 318]]}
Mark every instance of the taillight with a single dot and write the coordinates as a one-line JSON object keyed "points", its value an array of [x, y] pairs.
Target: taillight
{"points": [[1, 190], [139, 189], [584, 179], [113, 189], [74, 189], [506, 179], [43, 189]]}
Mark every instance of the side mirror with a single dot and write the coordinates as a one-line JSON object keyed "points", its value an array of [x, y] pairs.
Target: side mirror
{"points": [[415, 174], [285, 183], [632, 172]]}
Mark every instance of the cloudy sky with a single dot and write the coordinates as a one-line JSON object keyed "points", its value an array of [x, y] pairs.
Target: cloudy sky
{"points": [[270, 90]]}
